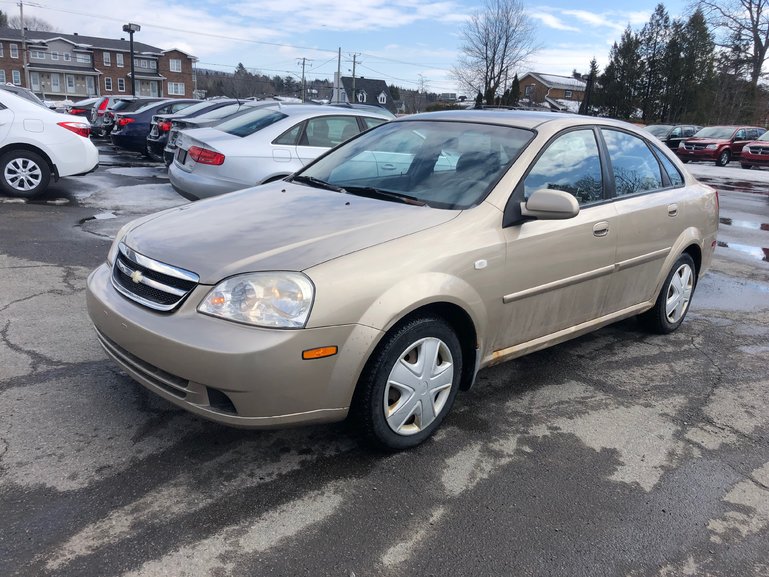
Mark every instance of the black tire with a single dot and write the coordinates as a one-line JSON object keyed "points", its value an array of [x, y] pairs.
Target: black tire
{"points": [[748, 166], [403, 342], [723, 158], [24, 173], [657, 319], [685, 161]]}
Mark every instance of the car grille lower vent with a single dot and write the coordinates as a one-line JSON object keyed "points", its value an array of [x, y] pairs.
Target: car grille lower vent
{"points": [[151, 283]]}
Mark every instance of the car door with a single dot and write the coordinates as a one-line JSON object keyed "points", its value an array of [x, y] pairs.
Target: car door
{"points": [[739, 140], [650, 207], [6, 121], [324, 132], [558, 271]]}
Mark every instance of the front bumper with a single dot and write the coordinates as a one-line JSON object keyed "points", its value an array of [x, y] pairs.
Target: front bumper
{"points": [[695, 155], [227, 372], [754, 159]]}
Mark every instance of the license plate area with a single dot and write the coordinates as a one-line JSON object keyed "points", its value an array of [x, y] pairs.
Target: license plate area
{"points": [[181, 156]]}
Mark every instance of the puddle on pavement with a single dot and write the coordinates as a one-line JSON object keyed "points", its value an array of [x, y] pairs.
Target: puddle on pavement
{"points": [[728, 185], [744, 224], [754, 251]]}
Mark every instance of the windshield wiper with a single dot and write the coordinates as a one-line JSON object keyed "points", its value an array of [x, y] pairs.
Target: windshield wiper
{"points": [[316, 182], [371, 192]]}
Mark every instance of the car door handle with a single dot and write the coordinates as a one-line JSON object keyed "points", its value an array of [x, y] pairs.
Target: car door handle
{"points": [[601, 228], [388, 166], [672, 210]]}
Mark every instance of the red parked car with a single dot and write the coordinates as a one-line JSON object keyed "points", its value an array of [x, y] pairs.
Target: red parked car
{"points": [[718, 143], [756, 153]]}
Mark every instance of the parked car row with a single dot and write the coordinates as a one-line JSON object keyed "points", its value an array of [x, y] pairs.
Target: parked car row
{"points": [[719, 144]]}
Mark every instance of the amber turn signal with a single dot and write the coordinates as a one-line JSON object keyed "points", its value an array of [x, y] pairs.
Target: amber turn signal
{"points": [[319, 353]]}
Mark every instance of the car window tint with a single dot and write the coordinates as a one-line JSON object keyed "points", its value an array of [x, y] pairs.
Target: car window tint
{"points": [[634, 166], [676, 178], [251, 122], [328, 131], [372, 122], [571, 163], [290, 136]]}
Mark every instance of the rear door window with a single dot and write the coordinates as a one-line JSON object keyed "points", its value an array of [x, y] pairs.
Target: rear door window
{"points": [[328, 131], [634, 166], [251, 122]]}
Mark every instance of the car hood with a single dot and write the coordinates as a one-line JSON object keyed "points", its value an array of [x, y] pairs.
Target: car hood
{"points": [[277, 226], [708, 140]]}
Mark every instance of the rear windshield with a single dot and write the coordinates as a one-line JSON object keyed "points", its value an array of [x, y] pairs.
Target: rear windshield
{"points": [[189, 110], [222, 112], [131, 105], [254, 121], [716, 132], [659, 130]]}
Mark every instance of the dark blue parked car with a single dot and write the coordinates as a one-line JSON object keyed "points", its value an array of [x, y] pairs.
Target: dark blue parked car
{"points": [[131, 128]]}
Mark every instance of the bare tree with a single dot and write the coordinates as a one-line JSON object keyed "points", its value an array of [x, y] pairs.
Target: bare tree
{"points": [[31, 23], [497, 40], [744, 19]]}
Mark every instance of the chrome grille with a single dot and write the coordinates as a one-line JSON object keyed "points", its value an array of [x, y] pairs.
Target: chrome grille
{"points": [[690, 146], [149, 282], [762, 150]]}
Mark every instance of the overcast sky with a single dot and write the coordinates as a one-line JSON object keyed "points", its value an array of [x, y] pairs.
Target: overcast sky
{"points": [[395, 40]]}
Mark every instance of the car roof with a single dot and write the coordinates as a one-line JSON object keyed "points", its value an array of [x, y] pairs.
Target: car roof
{"points": [[527, 119]]}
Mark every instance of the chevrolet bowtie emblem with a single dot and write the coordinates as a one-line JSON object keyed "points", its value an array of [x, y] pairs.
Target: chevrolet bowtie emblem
{"points": [[137, 276]]}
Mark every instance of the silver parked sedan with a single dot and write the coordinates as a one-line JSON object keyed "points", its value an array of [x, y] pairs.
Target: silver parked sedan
{"points": [[263, 145], [379, 280]]}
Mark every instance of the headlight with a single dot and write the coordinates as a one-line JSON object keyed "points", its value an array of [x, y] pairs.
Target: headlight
{"points": [[747, 149], [681, 144], [112, 254], [711, 146], [265, 299]]}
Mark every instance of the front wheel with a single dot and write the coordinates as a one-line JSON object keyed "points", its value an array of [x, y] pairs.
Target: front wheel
{"points": [[24, 173], [673, 300], [723, 158], [409, 384]]}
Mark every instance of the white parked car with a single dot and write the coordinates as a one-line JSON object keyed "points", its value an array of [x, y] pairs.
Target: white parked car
{"points": [[262, 145], [37, 144]]}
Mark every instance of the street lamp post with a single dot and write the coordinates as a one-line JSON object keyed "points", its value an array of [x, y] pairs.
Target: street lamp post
{"points": [[131, 28]]}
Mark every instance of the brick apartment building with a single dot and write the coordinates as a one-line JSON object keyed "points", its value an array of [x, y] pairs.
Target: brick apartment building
{"points": [[71, 66]]}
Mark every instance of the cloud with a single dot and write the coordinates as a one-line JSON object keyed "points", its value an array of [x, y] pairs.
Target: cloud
{"points": [[552, 21]]}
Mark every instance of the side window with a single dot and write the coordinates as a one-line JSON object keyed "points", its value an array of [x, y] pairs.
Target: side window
{"points": [[740, 134], [328, 131], [676, 132], [571, 163], [372, 122], [675, 177], [635, 168], [689, 131], [752, 134], [290, 136]]}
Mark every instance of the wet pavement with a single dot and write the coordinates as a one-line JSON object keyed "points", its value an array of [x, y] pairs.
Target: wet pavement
{"points": [[617, 454]]}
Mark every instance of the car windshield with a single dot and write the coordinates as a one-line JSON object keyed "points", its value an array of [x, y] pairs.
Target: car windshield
{"points": [[254, 121], [659, 130], [764, 136], [27, 95], [197, 107], [724, 132], [450, 165]]}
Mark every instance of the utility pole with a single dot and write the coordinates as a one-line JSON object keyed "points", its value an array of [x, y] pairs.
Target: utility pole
{"points": [[354, 57], [338, 91], [304, 85], [23, 44], [131, 28]]}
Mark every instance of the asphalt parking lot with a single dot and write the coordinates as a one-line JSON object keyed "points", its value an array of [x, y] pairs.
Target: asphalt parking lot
{"points": [[619, 453]]}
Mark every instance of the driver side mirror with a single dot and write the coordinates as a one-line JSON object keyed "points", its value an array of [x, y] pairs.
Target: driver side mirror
{"points": [[550, 204]]}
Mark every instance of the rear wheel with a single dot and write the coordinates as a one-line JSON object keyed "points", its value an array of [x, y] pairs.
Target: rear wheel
{"points": [[723, 158], [24, 173], [673, 300], [409, 384]]}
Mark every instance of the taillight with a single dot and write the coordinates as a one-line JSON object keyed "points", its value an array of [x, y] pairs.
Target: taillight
{"points": [[102, 107], [205, 156], [124, 120], [164, 126], [79, 128], [76, 110]]}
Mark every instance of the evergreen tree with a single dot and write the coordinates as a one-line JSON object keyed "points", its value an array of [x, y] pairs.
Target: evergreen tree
{"points": [[623, 78], [515, 91], [653, 41]]}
